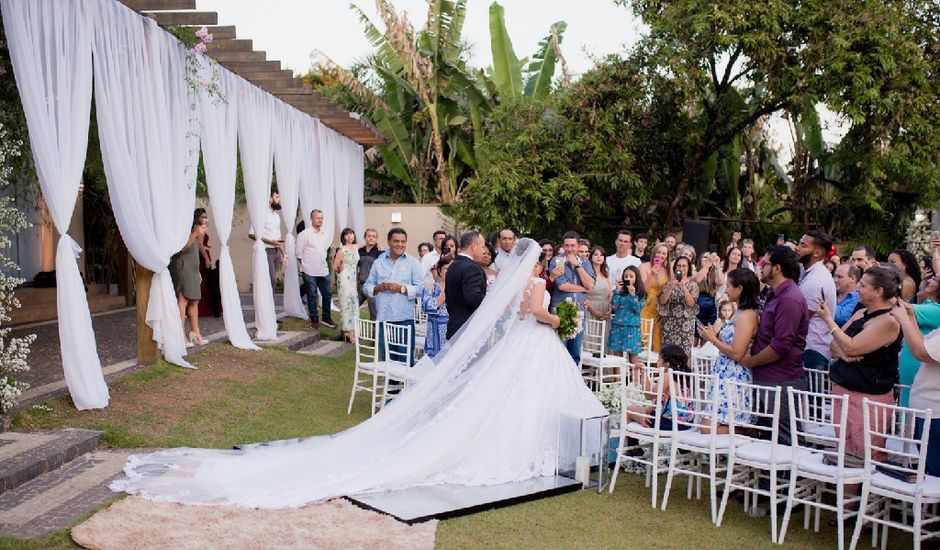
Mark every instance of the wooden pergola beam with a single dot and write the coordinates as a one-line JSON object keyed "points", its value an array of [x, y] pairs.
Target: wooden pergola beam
{"points": [[232, 45], [159, 5], [185, 18], [239, 57], [245, 69], [222, 32]]}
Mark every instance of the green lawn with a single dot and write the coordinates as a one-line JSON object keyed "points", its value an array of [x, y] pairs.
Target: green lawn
{"points": [[239, 396]]}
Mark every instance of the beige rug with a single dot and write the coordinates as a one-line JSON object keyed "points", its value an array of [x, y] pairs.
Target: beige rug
{"points": [[137, 523]]}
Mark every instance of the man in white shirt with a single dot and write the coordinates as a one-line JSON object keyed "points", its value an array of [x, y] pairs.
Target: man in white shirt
{"points": [[431, 258], [312, 248], [623, 258], [507, 243], [816, 284], [271, 237]]}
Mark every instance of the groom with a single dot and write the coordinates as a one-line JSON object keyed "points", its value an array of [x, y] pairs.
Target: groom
{"points": [[465, 281]]}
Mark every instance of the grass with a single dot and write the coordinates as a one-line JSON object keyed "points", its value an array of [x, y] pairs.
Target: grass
{"points": [[240, 396]]}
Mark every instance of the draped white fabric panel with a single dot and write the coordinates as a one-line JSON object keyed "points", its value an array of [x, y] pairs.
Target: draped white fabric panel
{"points": [[357, 211], [323, 193], [310, 169], [144, 124], [50, 48], [256, 117], [288, 149], [340, 170], [219, 150]]}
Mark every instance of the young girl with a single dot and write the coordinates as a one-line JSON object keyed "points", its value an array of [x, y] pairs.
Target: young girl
{"points": [[671, 357], [625, 307], [725, 311]]}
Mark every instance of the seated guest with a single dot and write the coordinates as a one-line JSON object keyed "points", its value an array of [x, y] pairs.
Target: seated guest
{"points": [[866, 355], [671, 357], [433, 303], [846, 279]]}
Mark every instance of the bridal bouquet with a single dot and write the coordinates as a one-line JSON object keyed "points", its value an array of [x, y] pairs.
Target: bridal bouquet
{"points": [[570, 319]]}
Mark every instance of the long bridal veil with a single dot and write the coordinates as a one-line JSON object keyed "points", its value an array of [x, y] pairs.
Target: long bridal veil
{"points": [[428, 435]]}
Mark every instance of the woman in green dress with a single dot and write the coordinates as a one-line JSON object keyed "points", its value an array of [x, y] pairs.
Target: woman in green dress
{"points": [[344, 265]]}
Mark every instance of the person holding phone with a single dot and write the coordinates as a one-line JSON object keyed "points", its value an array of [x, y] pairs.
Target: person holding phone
{"points": [[655, 275], [678, 306]]}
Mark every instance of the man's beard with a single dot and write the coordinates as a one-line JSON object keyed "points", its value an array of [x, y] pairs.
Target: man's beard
{"points": [[275, 206], [806, 259]]}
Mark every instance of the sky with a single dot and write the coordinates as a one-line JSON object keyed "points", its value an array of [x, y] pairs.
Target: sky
{"points": [[289, 30]]}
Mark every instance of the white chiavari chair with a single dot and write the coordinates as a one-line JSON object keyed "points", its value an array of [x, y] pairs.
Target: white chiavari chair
{"points": [[396, 340], [593, 349], [647, 356], [368, 375]]}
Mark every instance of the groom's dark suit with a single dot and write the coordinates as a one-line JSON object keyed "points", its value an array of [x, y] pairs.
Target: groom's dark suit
{"points": [[465, 288]]}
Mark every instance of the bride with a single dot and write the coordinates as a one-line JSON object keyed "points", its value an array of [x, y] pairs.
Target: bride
{"points": [[495, 406]]}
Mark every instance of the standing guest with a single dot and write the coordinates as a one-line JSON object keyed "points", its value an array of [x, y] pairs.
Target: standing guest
{"points": [[733, 339], [671, 242], [312, 247], [433, 303], [776, 358], [597, 301], [926, 268], [678, 306], [548, 249], [817, 285], [642, 242], [687, 251], [423, 249], [394, 282], [507, 243], [655, 274], [927, 315], [574, 282], [864, 257], [465, 282], [709, 279], [368, 253], [906, 263], [625, 306], [449, 245], [735, 256], [925, 391], [735, 242], [623, 257], [584, 249], [836, 259], [344, 265], [434, 254], [184, 272], [831, 267], [866, 357], [928, 292], [726, 309], [210, 302], [747, 253], [271, 237], [486, 262], [846, 280]]}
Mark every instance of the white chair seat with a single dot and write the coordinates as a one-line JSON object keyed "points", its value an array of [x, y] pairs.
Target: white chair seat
{"points": [[701, 440], [369, 367], [634, 429], [813, 463], [931, 486], [649, 357], [708, 350], [591, 361], [760, 451], [398, 371], [823, 431]]}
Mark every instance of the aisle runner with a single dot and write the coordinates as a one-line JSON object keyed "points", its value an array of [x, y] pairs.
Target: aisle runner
{"points": [[135, 522]]}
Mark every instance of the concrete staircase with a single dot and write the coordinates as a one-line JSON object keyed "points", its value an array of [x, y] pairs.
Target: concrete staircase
{"points": [[39, 304], [50, 479]]}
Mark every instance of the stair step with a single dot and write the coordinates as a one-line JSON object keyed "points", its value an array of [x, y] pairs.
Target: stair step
{"points": [[293, 340], [26, 456], [327, 348], [56, 499], [32, 311]]}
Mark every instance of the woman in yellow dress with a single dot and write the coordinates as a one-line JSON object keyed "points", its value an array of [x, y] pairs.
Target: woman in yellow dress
{"points": [[655, 274]]}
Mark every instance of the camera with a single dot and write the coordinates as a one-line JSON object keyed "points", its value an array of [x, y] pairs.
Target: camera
{"points": [[678, 274]]}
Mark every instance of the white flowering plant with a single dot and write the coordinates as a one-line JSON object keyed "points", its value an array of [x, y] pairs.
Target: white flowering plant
{"points": [[918, 236], [13, 351]]}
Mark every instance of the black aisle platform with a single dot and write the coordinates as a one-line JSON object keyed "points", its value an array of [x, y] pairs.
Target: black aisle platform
{"points": [[419, 504]]}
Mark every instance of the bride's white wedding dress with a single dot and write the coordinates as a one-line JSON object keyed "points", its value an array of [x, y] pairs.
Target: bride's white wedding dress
{"points": [[489, 410]]}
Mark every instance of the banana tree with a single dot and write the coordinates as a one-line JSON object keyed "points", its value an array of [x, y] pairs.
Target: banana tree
{"points": [[510, 75]]}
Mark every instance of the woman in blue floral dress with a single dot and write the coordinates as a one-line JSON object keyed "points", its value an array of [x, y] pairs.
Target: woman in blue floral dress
{"points": [[625, 306], [432, 302], [733, 341]]}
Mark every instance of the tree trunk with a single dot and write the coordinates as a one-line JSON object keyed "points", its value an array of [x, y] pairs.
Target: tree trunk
{"points": [[147, 352]]}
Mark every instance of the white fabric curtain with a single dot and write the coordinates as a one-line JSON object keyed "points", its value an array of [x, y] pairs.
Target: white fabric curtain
{"points": [[357, 212], [326, 179], [219, 150], [145, 124], [339, 165], [309, 179], [288, 152], [50, 48], [256, 116]]}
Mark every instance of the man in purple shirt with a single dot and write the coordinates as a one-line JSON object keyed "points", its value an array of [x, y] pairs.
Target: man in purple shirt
{"points": [[777, 351]]}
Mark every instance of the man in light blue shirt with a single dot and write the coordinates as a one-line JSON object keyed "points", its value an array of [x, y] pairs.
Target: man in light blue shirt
{"points": [[846, 278], [395, 281], [574, 278]]}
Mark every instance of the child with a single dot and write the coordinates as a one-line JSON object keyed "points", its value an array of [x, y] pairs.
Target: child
{"points": [[671, 357], [625, 307], [725, 311]]}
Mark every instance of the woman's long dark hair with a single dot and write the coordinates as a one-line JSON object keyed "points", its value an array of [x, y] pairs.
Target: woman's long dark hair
{"points": [[604, 270], [911, 267], [344, 232], [746, 280], [197, 213], [675, 357], [688, 270]]}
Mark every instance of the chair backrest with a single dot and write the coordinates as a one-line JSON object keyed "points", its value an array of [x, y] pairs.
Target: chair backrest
{"points": [[812, 422], [366, 345], [595, 338], [696, 391], [420, 316], [646, 333], [818, 380], [643, 393], [704, 366], [753, 410], [902, 392], [397, 341], [614, 370], [884, 423]]}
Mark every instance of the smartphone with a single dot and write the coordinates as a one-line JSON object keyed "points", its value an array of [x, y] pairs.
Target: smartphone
{"points": [[934, 235], [781, 237], [657, 262]]}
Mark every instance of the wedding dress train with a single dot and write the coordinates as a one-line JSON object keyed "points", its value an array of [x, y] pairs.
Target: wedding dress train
{"points": [[488, 410]]}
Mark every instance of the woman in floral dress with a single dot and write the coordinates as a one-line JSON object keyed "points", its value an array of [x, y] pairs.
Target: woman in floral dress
{"points": [[625, 307], [733, 341], [344, 265], [678, 306], [433, 304]]}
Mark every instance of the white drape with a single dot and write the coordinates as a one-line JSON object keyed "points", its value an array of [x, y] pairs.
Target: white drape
{"points": [[309, 179], [50, 48], [326, 180], [219, 150], [145, 127], [357, 212], [255, 144], [339, 165], [288, 151]]}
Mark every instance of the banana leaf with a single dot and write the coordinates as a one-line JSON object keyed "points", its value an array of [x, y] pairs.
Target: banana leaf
{"points": [[507, 68]]}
